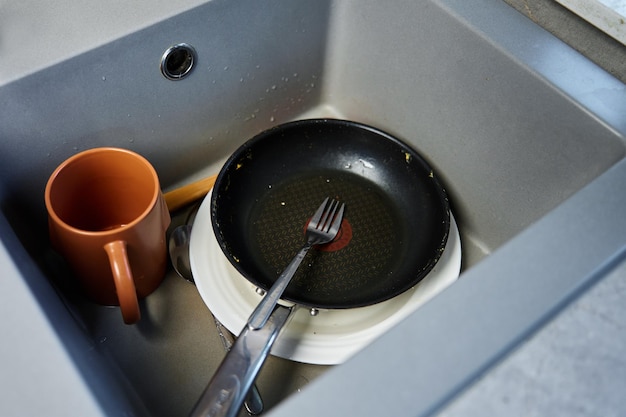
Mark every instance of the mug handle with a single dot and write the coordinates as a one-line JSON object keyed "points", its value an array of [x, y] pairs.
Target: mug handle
{"points": [[123, 278]]}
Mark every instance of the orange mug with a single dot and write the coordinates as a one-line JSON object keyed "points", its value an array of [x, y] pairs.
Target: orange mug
{"points": [[107, 217]]}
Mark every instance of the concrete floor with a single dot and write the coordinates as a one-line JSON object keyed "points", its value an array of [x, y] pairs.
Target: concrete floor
{"points": [[577, 33]]}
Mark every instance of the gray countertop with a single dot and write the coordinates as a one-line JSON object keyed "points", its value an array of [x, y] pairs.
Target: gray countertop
{"points": [[591, 42], [38, 34], [33, 357], [574, 366], [35, 34]]}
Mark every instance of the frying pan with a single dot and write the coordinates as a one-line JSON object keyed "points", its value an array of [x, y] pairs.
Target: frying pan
{"points": [[397, 216], [394, 231]]}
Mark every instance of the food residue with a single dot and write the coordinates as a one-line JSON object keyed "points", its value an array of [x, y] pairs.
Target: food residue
{"points": [[366, 164]]}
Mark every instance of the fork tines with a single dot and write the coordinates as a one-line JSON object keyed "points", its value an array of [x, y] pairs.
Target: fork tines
{"points": [[329, 215]]}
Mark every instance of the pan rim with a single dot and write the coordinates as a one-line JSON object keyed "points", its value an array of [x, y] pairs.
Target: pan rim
{"points": [[441, 197]]}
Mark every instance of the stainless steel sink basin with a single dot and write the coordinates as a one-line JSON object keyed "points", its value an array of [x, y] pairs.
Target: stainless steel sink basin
{"points": [[527, 135]]}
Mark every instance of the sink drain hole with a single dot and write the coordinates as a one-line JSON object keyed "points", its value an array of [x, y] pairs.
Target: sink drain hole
{"points": [[177, 62]]}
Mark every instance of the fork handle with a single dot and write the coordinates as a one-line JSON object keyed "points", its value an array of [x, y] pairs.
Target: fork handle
{"points": [[264, 309], [229, 386]]}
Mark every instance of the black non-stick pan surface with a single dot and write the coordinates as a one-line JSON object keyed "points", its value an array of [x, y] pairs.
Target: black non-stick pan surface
{"points": [[395, 225]]}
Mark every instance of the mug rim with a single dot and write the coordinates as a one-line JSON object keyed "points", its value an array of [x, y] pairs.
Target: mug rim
{"points": [[58, 220]]}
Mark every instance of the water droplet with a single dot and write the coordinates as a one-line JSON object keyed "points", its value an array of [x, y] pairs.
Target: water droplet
{"points": [[104, 78], [272, 119], [274, 87], [269, 186], [226, 68]]}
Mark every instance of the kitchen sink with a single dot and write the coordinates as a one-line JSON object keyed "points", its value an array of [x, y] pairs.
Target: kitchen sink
{"points": [[526, 135]]}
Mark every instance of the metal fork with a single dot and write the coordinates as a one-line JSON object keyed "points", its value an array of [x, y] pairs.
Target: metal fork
{"points": [[227, 390], [322, 228]]}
